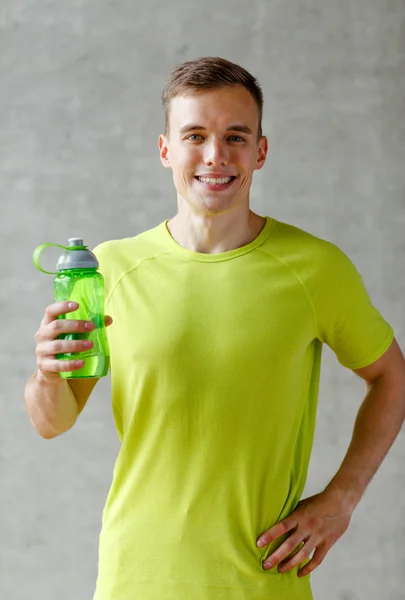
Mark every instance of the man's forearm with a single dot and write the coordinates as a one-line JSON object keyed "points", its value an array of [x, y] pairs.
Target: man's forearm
{"points": [[51, 405], [377, 425]]}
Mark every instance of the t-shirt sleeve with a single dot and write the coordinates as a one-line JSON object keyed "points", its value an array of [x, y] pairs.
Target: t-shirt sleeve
{"points": [[347, 321]]}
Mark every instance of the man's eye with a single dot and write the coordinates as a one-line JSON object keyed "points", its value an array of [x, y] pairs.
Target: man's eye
{"points": [[194, 137], [236, 138]]}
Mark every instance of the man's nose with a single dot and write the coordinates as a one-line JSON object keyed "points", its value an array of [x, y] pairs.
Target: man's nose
{"points": [[216, 153]]}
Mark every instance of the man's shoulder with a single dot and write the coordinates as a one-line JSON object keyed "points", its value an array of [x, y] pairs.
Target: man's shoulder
{"points": [[291, 239], [130, 251], [309, 256], [119, 257]]}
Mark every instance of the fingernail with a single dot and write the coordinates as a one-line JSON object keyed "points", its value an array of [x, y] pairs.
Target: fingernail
{"points": [[87, 344], [261, 542], [88, 325], [267, 565], [72, 305]]}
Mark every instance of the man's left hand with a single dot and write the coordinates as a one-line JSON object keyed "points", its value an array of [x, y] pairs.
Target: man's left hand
{"points": [[315, 525]]}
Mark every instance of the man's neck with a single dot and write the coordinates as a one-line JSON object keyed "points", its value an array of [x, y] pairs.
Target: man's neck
{"points": [[212, 234]]}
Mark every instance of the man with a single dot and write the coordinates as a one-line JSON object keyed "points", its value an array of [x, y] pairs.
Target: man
{"points": [[219, 319]]}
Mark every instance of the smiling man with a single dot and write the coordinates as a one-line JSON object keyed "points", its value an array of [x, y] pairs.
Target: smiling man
{"points": [[220, 315]]}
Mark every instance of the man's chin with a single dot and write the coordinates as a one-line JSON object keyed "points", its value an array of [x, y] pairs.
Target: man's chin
{"points": [[213, 203]]}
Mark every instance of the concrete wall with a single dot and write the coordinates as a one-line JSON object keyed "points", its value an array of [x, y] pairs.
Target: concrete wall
{"points": [[80, 85]]}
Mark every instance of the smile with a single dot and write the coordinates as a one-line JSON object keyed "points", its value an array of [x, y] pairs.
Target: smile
{"points": [[216, 183], [215, 180]]}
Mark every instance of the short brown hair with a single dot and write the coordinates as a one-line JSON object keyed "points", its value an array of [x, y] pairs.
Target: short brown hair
{"points": [[209, 73]]}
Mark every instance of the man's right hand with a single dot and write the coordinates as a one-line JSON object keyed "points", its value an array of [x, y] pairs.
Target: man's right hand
{"points": [[48, 346]]}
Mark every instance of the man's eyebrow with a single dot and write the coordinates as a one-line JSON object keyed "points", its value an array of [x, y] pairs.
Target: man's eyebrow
{"points": [[240, 128], [191, 127], [236, 127]]}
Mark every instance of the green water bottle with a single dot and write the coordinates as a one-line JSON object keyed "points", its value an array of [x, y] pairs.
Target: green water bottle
{"points": [[78, 280]]}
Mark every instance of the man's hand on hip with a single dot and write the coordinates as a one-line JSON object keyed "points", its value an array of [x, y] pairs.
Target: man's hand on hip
{"points": [[315, 525]]}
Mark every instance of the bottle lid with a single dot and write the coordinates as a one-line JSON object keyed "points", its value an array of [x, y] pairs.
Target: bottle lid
{"points": [[75, 256]]}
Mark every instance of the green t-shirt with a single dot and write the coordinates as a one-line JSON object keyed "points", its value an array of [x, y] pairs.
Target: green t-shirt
{"points": [[215, 364]]}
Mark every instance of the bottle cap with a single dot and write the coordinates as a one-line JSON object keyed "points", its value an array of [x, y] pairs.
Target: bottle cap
{"points": [[75, 256]]}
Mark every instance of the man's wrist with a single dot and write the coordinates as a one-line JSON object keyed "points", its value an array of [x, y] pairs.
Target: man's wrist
{"points": [[346, 495], [42, 377]]}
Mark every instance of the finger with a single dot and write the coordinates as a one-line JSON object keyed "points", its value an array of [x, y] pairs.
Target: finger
{"points": [[61, 326], [316, 560], [49, 349], [107, 320], [276, 531], [49, 365], [58, 308], [285, 549], [303, 554]]}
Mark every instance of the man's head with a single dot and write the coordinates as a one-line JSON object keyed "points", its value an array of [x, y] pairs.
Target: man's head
{"points": [[213, 139]]}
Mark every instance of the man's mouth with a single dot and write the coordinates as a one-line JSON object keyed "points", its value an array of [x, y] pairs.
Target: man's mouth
{"points": [[216, 180]]}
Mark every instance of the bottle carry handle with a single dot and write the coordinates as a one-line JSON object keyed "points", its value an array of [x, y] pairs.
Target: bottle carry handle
{"points": [[38, 251]]}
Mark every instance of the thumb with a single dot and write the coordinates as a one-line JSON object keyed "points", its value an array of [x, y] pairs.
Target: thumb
{"points": [[107, 320]]}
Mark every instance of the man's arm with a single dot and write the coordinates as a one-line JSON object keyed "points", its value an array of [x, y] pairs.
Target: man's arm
{"points": [[319, 521], [377, 424], [53, 404]]}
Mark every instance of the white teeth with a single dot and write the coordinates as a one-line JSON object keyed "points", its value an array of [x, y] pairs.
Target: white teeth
{"points": [[215, 181]]}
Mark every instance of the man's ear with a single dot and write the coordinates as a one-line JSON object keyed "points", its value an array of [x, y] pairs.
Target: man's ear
{"points": [[164, 151], [262, 152]]}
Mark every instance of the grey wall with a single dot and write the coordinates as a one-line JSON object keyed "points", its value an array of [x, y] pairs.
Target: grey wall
{"points": [[80, 85]]}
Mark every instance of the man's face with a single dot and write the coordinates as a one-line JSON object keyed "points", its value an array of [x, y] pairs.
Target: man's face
{"points": [[213, 148]]}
